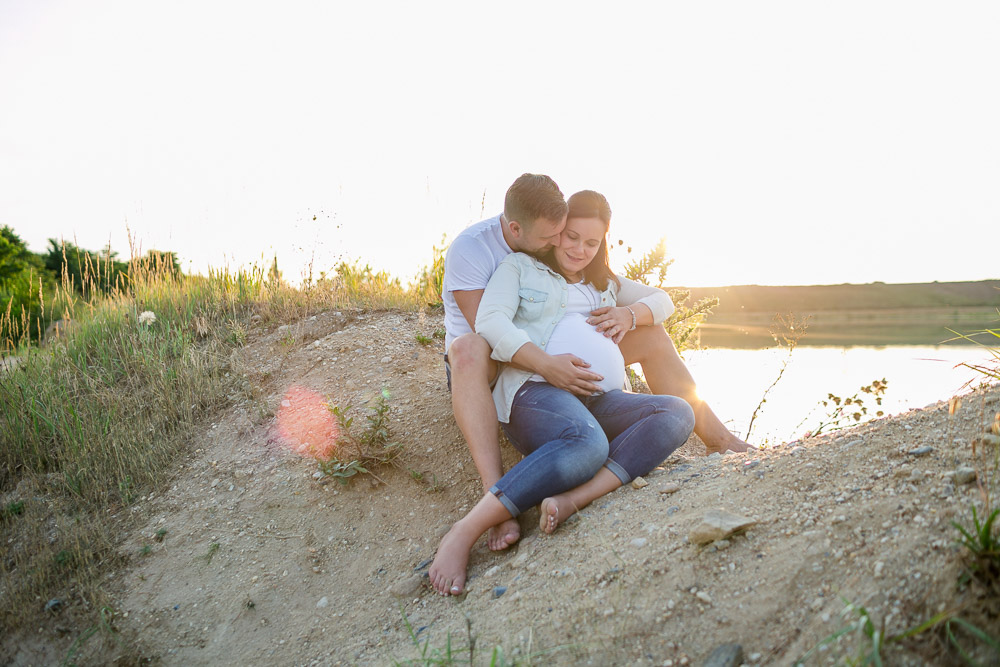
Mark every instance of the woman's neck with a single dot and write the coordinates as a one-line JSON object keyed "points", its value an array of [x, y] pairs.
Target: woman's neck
{"points": [[573, 277]]}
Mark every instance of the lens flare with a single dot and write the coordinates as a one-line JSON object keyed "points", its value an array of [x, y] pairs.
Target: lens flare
{"points": [[305, 425]]}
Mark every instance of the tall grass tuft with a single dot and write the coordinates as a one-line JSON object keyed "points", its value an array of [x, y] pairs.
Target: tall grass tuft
{"points": [[91, 418]]}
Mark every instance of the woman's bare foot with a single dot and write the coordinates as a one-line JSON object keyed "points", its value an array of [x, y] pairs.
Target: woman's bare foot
{"points": [[447, 572], [554, 511], [503, 535]]}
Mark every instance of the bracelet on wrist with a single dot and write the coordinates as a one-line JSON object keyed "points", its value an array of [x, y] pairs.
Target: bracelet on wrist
{"points": [[633, 317]]}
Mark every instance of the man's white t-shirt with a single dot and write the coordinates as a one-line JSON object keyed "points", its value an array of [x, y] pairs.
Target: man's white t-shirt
{"points": [[471, 259]]}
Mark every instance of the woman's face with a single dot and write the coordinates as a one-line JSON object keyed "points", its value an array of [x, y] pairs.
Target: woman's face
{"points": [[578, 244]]}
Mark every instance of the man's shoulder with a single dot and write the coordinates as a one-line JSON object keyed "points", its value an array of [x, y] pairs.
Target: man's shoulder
{"points": [[520, 259], [483, 231]]}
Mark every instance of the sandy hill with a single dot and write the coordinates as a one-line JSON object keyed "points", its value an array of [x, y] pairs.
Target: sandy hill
{"points": [[265, 562]]}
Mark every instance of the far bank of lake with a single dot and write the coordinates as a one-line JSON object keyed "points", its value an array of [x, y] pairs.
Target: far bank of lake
{"points": [[922, 362]]}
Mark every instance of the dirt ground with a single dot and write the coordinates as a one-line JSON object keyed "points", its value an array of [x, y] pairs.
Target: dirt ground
{"points": [[264, 561]]}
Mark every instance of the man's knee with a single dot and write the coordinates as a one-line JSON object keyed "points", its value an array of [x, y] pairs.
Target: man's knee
{"points": [[469, 352], [647, 343]]}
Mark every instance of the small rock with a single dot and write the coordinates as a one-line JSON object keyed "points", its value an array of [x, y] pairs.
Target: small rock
{"points": [[714, 456], [498, 591], [639, 542], [639, 483], [318, 474], [385, 360], [964, 475], [718, 524], [406, 587], [423, 564], [726, 655], [879, 565], [721, 544], [490, 572], [921, 451], [323, 602], [670, 487], [53, 605], [215, 482], [704, 597]]}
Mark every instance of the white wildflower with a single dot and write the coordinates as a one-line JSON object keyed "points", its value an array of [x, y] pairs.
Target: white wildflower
{"points": [[147, 317]]}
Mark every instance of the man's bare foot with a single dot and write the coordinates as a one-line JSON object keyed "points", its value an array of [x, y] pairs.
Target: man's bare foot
{"points": [[554, 511], [732, 444], [503, 535], [447, 572]]}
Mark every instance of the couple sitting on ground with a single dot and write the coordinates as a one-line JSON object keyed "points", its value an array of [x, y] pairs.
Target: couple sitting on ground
{"points": [[554, 329]]}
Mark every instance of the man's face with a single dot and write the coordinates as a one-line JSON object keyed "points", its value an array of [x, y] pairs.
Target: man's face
{"points": [[540, 237]]}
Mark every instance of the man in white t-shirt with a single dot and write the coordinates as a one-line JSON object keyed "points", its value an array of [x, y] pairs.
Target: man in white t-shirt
{"points": [[534, 215]]}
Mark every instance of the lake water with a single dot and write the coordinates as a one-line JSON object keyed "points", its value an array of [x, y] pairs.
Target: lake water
{"points": [[733, 381]]}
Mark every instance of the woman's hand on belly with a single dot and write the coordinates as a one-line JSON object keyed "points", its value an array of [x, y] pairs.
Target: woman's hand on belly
{"points": [[612, 321]]}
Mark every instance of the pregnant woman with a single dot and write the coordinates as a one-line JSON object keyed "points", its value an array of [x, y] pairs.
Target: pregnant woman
{"points": [[576, 448]]}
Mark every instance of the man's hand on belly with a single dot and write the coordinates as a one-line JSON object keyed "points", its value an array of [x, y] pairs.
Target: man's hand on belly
{"points": [[569, 372]]}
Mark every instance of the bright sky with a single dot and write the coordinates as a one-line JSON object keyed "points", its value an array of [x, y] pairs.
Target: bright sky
{"points": [[769, 142]]}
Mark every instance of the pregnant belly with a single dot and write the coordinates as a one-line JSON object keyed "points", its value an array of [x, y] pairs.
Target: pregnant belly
{"points": [[574, 336]]}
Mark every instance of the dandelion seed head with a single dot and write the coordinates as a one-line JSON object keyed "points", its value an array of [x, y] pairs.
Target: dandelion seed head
{"points": [[147, 317]]}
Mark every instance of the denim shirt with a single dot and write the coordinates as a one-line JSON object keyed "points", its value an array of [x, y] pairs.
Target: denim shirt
{"points": [[524, 301]]}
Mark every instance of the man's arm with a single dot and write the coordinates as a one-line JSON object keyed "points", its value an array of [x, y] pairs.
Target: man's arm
{"points": [[468, 303]]}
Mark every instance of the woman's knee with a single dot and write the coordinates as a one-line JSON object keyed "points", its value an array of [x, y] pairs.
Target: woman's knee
{"points": [[675, 417], [588, 450]]}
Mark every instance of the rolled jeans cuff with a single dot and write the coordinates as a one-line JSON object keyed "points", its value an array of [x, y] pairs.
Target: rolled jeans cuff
{"points": [[619, 471], [511, 507]]}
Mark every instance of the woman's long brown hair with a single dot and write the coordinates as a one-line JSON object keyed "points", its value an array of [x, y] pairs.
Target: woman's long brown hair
{"points": [[590, 204]]}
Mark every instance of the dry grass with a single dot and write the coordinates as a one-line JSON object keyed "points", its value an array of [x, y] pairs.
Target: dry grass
{"points": [[90, 420]]}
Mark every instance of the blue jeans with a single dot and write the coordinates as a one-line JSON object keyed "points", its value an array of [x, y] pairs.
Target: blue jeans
{"points": [[566, 439]]}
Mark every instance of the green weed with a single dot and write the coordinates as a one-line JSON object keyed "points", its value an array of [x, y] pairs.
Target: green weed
{"points": [[453, 653], [424, 340], [870, 639], [982, 543], [651, 269], [104, 625], [213, 549], [852, 410], [787, 331], [371, 448], [12, 509]]}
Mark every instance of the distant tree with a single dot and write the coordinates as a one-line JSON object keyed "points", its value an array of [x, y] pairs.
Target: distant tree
{"points": [[14, 255], [84, 269], [23, 282]]}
